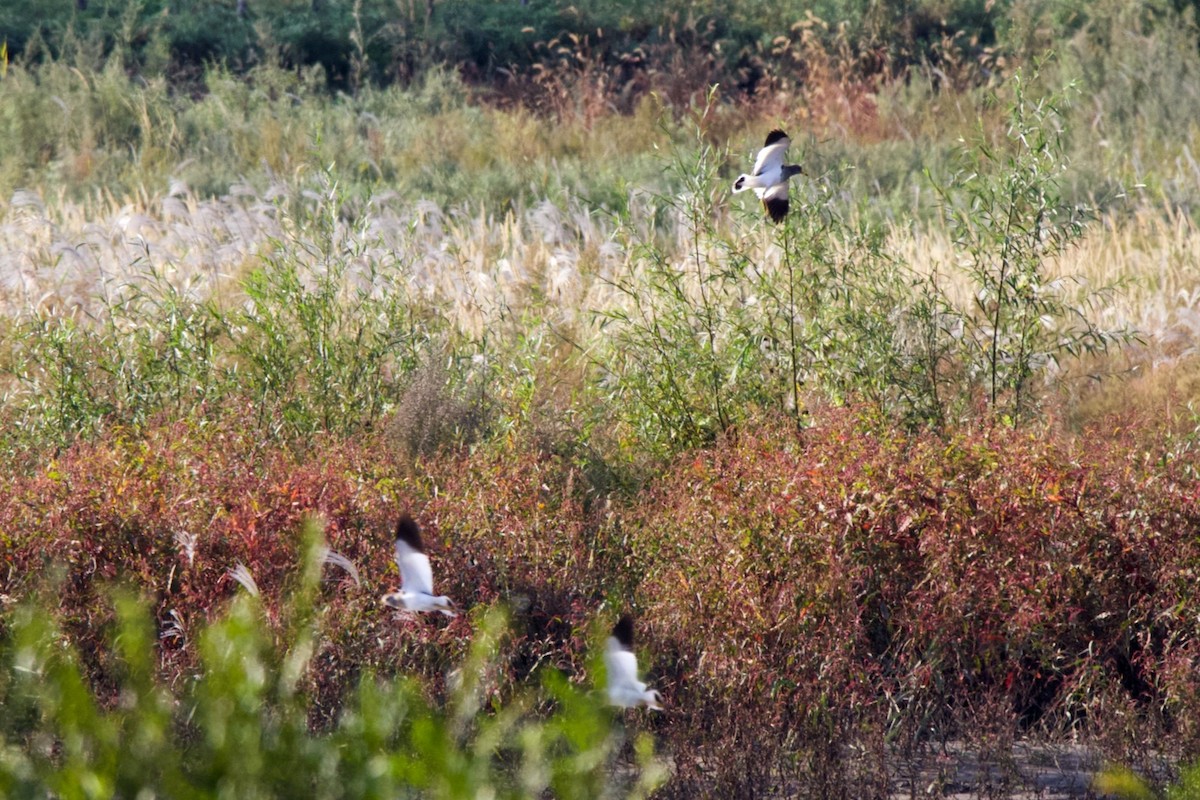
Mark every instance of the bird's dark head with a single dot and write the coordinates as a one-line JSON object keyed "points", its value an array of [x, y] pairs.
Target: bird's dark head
{"points": [[792, 169]]}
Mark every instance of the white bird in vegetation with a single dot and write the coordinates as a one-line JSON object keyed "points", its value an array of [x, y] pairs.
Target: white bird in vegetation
{"points": [[769, 180], [416, 576], [624, 688]]}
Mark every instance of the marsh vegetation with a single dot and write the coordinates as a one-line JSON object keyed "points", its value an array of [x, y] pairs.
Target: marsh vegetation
{"points": [[916, 467]]}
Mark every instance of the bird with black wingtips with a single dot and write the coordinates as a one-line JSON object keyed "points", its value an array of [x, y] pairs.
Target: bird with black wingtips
{"points": [[624, 688], [770, 176], [416, 576]]}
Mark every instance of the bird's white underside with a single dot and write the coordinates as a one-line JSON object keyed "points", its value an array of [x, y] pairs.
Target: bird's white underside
{"points": [[770, 158]]}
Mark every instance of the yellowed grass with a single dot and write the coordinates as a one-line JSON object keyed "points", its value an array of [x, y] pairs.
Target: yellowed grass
{"points": [[483, 270], [1152, 258], [490, 272]]}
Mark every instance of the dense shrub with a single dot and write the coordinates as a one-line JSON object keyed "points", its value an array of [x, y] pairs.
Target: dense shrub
{"points": [[829, 591], [678, 48], [819, 606], [485, 37], [175, 509]]}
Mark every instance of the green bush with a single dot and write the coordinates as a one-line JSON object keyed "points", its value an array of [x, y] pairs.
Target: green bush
{"points": [[681, 355], [721, 325], [327, 335], [1118, 782], [321, 337], [1011, 222]]}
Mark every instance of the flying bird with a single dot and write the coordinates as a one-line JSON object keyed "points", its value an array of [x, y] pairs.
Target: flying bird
{"points": [[770, 177], [416, 576], [624, 688]]}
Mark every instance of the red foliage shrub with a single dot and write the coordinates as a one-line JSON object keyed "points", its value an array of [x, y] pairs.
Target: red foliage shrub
{"points": [[172, 510], [809, 603], [849, 583]]}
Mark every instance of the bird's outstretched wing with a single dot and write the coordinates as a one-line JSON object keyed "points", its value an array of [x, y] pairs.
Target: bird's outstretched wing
{"points": [[621, 665], [771, 156], [415, 572]]}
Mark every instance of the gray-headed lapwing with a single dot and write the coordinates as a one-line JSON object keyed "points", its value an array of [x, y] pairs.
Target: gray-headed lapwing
{"points": [[769, 180], [416, 576], [624, 688]]}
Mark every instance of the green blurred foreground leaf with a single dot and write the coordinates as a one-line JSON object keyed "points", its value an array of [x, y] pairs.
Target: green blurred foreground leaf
{"points": [[1123, 783]]}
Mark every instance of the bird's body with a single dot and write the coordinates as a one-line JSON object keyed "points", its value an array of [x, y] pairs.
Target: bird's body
{"points": [[624, 688], [416, 576], [770, 176]]}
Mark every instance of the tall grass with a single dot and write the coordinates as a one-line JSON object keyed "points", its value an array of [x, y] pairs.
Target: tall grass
{"points": [[316, 316], [87, 133], [317, 337], [678, 317], [78, 124]]}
